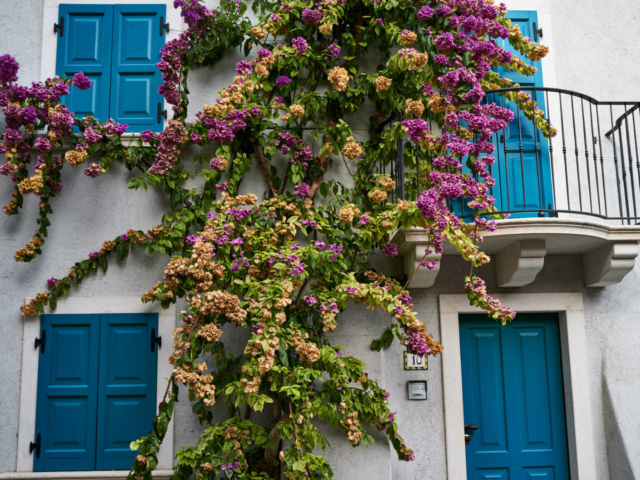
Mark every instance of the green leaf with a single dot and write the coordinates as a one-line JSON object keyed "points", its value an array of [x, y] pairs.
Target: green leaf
{"points": [[283, 355], [299, 466], [53, 302]]}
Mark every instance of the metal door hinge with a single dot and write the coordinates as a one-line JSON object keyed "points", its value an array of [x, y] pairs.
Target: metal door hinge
{"points": [[40, 342], [36, 446], [59, 27], [536, 31], [161, 113], [155, 340], [163, 26]]}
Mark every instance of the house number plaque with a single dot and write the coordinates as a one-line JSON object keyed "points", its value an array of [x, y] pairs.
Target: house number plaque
{"points": [[415, 362]]}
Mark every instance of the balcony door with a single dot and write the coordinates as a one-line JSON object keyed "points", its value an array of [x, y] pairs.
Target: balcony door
{"points": [[522, 170], [523, 175]]}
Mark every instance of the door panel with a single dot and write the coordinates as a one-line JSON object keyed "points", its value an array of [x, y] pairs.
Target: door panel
{"points": [[493, 474], [512, 388], [135, 77], [127, 388], [67, 388], [523, 176], [85, 47]]}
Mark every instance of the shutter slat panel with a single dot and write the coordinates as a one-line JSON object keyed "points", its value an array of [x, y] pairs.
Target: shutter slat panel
{"points": [[67, 393], [127, 388], [86, 47], [135, 79]]}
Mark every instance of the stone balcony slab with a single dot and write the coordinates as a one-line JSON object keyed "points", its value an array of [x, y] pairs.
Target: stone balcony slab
{"points": [[520, 245]]}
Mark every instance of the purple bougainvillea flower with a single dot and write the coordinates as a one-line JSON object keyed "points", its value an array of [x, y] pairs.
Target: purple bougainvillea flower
{"points": [[81, 81]]}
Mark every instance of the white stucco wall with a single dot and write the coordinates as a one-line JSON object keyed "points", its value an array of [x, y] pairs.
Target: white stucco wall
{"points": [[594, 51]]}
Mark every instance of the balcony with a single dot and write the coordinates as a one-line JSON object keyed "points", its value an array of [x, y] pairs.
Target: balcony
{"points": [[576, 192]]}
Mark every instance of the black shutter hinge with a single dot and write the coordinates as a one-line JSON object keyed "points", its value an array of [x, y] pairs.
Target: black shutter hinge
{"points": [[40, 342], [155, 340], [59, 27], [35, 446], [536, 31], [163, 26], [161, 113]]}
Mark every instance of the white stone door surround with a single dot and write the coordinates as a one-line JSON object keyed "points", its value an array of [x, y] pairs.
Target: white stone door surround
{"points": [[574, 354]]}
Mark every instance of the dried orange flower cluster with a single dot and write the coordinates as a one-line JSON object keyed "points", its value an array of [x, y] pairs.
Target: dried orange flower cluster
{"points": [[339, 77]]}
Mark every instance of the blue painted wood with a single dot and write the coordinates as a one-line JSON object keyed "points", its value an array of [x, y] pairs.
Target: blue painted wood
{"points": [[135, 79], [127, 387], [533, 190], [513, 191], [86, 47], [512, 388], [67, 393]]}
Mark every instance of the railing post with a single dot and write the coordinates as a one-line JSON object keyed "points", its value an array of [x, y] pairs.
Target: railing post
{"points": [[400, 165]]}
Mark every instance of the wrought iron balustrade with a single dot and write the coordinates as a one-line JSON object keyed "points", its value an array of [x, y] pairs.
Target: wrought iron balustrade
{"points": [[590, 166]]}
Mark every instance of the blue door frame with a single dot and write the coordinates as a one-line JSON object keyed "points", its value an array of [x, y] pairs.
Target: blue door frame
{"points": [[513, 392]]}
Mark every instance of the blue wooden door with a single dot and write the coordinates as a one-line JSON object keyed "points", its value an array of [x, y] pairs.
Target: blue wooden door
{"points": [[523, 176], [512, 387], [84, 45], [67, 393], [127, 387], [137, 39]]}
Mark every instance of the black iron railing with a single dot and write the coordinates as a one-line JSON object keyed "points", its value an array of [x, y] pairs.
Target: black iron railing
{"points": [[588, 165]]}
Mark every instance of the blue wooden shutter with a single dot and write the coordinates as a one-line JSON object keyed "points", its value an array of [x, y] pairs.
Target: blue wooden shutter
{"points": [[67, 393], [512, 186], [523, 180], [137, 40], [127, 387], [85, 46]]}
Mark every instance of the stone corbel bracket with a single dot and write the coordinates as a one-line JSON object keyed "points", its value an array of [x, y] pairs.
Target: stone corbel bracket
{"points": [[412, 245], [519, 263], [609, 264]]}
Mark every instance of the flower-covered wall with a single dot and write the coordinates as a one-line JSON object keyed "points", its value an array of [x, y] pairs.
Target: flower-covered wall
{"points": [[592, 51]]}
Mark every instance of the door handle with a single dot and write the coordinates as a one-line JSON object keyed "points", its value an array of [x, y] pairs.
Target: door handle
{"points": [[470, 427], [501, 138]]}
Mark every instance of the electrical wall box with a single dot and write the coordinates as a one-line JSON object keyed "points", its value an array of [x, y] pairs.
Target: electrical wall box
{"points": [[417, 389]]}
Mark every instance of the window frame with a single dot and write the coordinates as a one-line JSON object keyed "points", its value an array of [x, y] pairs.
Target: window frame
{"points": [[49, 45], [29, 377]]}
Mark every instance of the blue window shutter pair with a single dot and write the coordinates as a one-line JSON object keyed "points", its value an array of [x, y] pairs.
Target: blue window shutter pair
{"points": [[96, 390], [117, 47]]}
